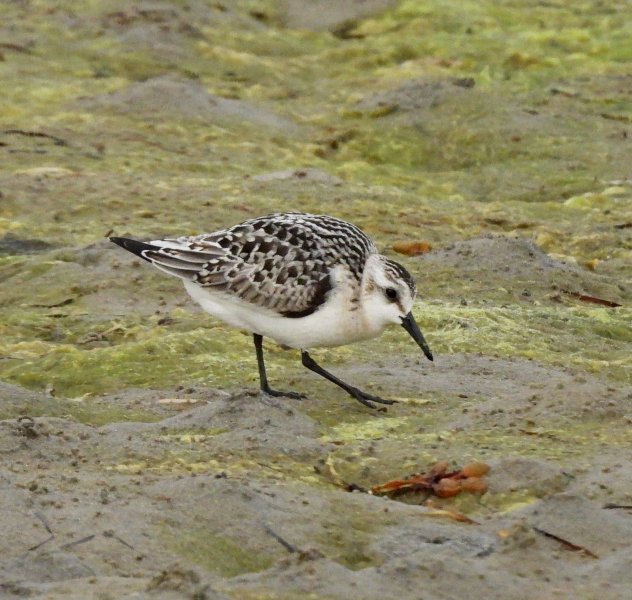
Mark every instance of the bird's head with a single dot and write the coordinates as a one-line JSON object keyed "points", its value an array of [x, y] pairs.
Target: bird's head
{"points": [[388, 296]]}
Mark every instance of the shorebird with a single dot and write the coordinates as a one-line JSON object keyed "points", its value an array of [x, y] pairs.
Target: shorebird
{"points": [[302, 280]]}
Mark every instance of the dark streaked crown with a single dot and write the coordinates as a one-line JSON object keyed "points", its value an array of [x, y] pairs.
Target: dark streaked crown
{"points": [[398, 272]]}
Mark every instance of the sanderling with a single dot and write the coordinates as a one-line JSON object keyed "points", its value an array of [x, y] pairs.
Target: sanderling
{"points": [[302, 280]]}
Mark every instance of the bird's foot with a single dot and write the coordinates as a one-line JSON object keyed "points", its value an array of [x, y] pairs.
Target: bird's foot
{"points": [[368, 399], [279, 394]]}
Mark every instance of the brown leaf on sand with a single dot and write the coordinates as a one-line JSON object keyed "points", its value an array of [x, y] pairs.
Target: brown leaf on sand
{"points": [[412, 248], [438, 481], [592, 299]]}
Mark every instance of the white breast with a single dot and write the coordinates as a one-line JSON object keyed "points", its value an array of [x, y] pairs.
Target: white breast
{"points": [[337, 322]]}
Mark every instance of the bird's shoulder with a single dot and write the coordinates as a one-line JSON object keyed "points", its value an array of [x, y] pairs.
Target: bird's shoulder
{"points": [[303, 236]]}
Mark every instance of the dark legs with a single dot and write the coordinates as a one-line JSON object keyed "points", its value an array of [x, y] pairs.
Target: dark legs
{"points": [[263, 378], [312, 365], [359, 395]]}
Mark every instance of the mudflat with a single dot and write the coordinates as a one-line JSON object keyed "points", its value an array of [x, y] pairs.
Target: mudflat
{"points": [[138, 458]]}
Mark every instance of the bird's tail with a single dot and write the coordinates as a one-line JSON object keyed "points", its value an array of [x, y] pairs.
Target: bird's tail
{"points": [[172, 256], [135, 247]]}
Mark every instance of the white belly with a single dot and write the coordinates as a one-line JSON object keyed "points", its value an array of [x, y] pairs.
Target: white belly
{"points": [[334, 324]]}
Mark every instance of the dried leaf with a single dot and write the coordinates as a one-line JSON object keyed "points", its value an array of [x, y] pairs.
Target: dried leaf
{"points": [[412, 248], [446, 487], [592, 299], [474, 485], [439, 481], [475, 470]]}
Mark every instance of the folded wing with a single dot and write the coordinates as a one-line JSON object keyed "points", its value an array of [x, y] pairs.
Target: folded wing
{"points": [[251, 266]]}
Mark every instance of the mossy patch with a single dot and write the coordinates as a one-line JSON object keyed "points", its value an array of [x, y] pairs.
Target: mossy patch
{"points": [[347, 536], [83, 410], [218, 554]]}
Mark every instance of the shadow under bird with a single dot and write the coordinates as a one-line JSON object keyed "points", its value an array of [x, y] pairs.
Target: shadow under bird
{"points": [[302, 280]]}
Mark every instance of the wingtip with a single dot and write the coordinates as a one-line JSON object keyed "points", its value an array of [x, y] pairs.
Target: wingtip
{"points": [[133, 246]]}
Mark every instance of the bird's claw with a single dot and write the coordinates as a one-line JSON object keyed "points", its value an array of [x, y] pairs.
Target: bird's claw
{"points": [[369, 399], [280, 394]]}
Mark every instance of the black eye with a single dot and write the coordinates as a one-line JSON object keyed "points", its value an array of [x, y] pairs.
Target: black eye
{"points": [[391, 294]]}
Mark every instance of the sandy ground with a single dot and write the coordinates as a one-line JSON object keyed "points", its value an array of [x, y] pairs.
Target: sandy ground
{"points": [[207, 494], [198, 504], [138, 460]]}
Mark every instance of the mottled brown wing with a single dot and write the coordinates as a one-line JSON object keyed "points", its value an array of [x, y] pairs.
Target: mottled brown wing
{"points": [[282, 262], [253, 266], [279, 274]]}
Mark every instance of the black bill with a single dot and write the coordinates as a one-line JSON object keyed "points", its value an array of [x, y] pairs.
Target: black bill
{"points": [[410, 325]]}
